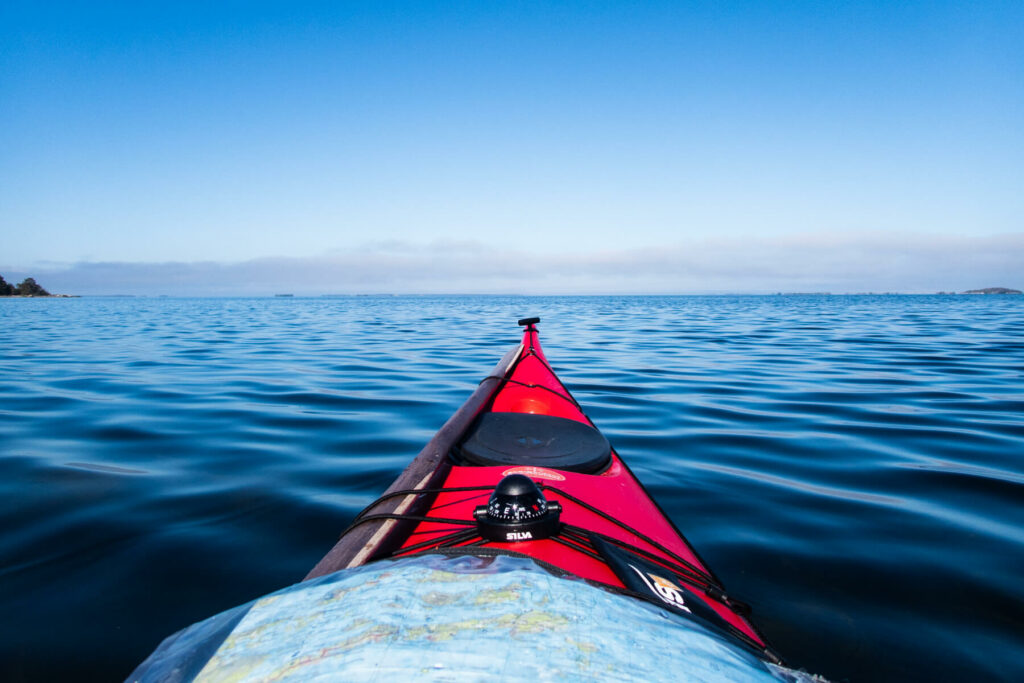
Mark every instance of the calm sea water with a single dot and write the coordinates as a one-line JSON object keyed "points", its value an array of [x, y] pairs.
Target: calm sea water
{"points": [[851, 466]]}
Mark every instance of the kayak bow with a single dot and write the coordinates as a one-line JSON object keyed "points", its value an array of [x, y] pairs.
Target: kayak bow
{"points": [[587, 515]]}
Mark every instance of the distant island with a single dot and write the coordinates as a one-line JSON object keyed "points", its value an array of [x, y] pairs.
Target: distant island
{"points": [[28, 287], [993, 290]]}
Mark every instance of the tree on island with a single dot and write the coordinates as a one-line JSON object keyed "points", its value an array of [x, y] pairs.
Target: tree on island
{"points": [[28, 287], [993, 290]]}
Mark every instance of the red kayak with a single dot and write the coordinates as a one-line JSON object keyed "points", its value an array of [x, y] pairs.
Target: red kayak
{"points": [[521, 470]]}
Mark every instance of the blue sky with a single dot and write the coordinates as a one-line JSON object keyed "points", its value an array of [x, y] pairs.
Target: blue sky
{"points": [[430, 147]]}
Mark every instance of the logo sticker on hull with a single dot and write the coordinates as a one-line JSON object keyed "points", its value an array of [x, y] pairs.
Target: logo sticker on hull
{"points": [[658, 584], [534, 473], [665, 589]]}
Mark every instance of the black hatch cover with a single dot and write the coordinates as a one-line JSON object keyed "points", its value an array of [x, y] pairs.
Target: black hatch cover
{"points": [[540, 440]]}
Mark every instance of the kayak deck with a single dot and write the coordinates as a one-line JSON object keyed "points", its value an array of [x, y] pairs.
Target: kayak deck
{"points": [[604, 504]]}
